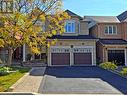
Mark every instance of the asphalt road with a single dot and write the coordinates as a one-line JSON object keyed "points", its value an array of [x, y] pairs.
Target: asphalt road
{"points": [[82, 80]]}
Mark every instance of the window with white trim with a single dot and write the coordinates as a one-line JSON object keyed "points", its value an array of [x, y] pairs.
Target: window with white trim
{"points": [[110, 29], [70, 26], [6, 6]]}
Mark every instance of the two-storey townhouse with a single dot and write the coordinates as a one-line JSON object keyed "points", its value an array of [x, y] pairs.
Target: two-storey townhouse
{"points": [[75, 46], [111, 32]]}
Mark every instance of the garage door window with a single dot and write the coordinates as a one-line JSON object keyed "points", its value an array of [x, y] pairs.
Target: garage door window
{"points": [[85, 50]]}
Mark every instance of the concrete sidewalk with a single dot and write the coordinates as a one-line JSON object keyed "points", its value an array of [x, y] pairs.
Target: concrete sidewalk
{"points": [[30, 82]]}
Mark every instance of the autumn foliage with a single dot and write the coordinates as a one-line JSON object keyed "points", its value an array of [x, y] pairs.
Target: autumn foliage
{"points": [[31, 23]]}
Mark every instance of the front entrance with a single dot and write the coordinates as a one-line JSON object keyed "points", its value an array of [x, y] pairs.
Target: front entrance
{"points": [[18, 54], [116, 56]]}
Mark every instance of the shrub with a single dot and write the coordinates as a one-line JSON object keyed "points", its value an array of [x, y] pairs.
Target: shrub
{"points": [[124, 72], [108, 66], [4, 70]]}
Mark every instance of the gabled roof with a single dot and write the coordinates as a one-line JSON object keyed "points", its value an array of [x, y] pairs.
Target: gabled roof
{"points": [[103, 19], [123, 17], [73, 37], [113, 41], [70, 13]]}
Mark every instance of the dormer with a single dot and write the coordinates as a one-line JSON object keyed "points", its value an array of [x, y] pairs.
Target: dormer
{"points": [[75, 25]]}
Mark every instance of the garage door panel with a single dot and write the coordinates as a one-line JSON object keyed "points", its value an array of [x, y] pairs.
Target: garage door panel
{"points": [[60, 58], [82, 58]]}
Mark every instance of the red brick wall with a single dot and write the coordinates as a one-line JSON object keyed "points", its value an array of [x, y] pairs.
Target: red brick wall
{"points": [[94, 31], [101, 31], [99, 52], [98, 31], [124, 29]]}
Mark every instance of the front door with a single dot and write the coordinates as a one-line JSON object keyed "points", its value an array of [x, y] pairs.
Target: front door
{"points": [[17, 54]]}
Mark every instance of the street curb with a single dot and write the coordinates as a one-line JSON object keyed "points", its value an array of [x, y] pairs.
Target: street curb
{"points": [[18, 93], [27, 93], [18, 82], [42, 83], [116, 73]]}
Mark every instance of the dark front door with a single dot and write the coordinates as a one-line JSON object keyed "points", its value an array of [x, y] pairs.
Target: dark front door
{"points": [[60, 59], [116, 56], [18, 53], [82, 58]]}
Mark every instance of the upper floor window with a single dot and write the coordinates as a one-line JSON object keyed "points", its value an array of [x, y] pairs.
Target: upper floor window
{"points": [[70, 26], [111, 29], [6, 6]]}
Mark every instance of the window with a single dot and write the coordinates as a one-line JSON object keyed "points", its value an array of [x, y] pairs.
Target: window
{"points": [[6, 6], [114, 30], [70, 26], [40, 56], [106, 30], [110, 29]]}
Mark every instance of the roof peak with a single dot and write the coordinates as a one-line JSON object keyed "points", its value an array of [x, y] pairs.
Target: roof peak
{"points": [[72, 13], [123, 16], [99, 16]]}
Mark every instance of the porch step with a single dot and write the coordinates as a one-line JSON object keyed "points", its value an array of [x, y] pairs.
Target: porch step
{"points": [[29, 64]]}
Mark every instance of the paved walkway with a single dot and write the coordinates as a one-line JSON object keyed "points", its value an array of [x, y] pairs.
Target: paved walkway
{"points": [[31, 81]]}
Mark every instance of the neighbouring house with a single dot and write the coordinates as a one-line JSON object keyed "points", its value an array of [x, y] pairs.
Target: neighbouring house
{"points": [[112, 34], [75, 46]]}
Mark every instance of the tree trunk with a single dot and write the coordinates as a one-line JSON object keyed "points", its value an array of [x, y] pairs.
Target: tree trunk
{"points": [[10, 52]]}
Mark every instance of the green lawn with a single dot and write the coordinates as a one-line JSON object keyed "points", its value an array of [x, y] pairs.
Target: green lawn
{"points": [[8, 80]]}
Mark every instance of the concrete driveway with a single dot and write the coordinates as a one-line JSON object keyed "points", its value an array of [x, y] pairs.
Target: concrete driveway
{"points": [[82, 80]]}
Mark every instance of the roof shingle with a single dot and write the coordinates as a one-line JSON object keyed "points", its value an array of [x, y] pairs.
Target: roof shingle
{"points": [[70, 13], [105, 19], [123, 17], [73, 37], [113, 41]]}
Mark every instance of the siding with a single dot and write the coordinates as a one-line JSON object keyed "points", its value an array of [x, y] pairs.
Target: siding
{"points": [[76, 43], [94, 31], [84, 28]]}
